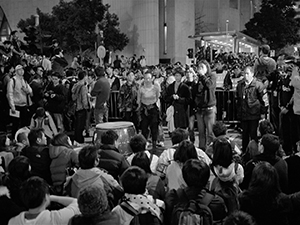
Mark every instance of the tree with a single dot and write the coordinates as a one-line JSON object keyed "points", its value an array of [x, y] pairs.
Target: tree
{"points": [[275, 24], [74, 23]]}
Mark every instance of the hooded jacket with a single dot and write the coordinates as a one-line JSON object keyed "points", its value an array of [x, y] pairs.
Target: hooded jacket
{"points": [[62, 157], [80, 96]]}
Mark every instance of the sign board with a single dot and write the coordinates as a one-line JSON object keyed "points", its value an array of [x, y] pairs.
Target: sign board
{"points": [[101, 51]]}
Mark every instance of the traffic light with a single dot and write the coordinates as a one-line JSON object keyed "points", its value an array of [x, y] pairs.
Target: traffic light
{"points": [[190, 53]]}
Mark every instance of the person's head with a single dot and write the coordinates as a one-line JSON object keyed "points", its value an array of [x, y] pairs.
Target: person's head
{"points": [[130, 76], [142, 160], [39, 71], [88, 157], [186, 150], [239, 218], [134, 180], [22, 137], [55, 43], [178, 74], [148, 78], [281, 60], [58, 51], [92, 200], [269, 144], [99, 71], [195, 173], [203, 67], [219, 128], [222, 152], [138, 143], [19, 70], [75, 59], [249, 73], [82, 75], [178, 135], [264, 179], [265, 127], [35, 193], [61, 139], [109, 137], [19, 168], [265, 49], [9, 69], [37, 137], [55, 77], [7, 43], [190, 74], [109, 70], [40, 112], [116, 72]]}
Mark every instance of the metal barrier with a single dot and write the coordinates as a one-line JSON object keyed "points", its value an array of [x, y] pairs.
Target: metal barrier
{"points": [[226, 106]]}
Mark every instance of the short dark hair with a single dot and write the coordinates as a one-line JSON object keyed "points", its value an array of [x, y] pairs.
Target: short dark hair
{"points": [[222, 152], [19, 167], [56, 74], [239, 218], [178, 70], [138, 143], [109, 137], [271, 144], [134, 180], [265, 49], [57, 51], [265, 127], [34, 134], [81, 74], [186, 150], [33, 192], [178, 135], [141, 160], [99, 71], [87, 157], [61, 139], [195, 173], [219, 128]]}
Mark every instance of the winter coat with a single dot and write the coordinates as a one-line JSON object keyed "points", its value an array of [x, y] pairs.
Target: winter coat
{"points": [[39, 160], [250, 104], [103, 219], [112, 161], [57, 104], [80, 96], [180, 105], [62, 158]]}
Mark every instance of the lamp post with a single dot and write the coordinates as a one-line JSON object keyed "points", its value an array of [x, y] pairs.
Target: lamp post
{"points": [[37, 25]]}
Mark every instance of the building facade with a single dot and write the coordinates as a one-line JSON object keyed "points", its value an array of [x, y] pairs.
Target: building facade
{"points": [[158, 29]]}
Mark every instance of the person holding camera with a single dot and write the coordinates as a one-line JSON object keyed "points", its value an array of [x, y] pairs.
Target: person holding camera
{"points": [[205, 103]]}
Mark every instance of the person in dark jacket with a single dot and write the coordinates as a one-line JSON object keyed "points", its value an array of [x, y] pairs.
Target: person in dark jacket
{"points": [[56, 97], [110, 158], [264, 200], [101, 91], [250, 105], [59, 62], [93, 205], [38, 154], [268, 147], [205, 102], [63, 156], [179, 95], [196, 174]]}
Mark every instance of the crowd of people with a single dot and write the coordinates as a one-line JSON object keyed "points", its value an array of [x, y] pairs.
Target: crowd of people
{"points": [[46, 179]]}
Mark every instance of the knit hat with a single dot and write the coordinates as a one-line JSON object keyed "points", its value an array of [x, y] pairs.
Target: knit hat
{"points": [[92, 200]]}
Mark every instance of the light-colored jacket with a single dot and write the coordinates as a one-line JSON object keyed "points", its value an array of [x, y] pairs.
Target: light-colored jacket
{"points": [[15, 94], [49, 127]]}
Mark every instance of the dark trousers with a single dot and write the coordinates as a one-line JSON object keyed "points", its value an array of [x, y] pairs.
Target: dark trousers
{"points": [[274, 112], [150, 119], [22, 121], [132, 117], [80, 122], [249, 132], [288, 128]]}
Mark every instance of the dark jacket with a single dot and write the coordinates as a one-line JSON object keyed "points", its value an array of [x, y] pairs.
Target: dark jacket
{"points": [[268, 212], [8, 209], [58, 103], [203, 93], [62, 157], [217, 205], [180, 105], [39, 160], [250, 104], [58, 64], [279, 164], [101, 91], [112, 161], [103, 219]]}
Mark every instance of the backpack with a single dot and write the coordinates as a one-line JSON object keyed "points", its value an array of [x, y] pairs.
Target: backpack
{"points": [[195, 212], [262, 71], [138, 218]]}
